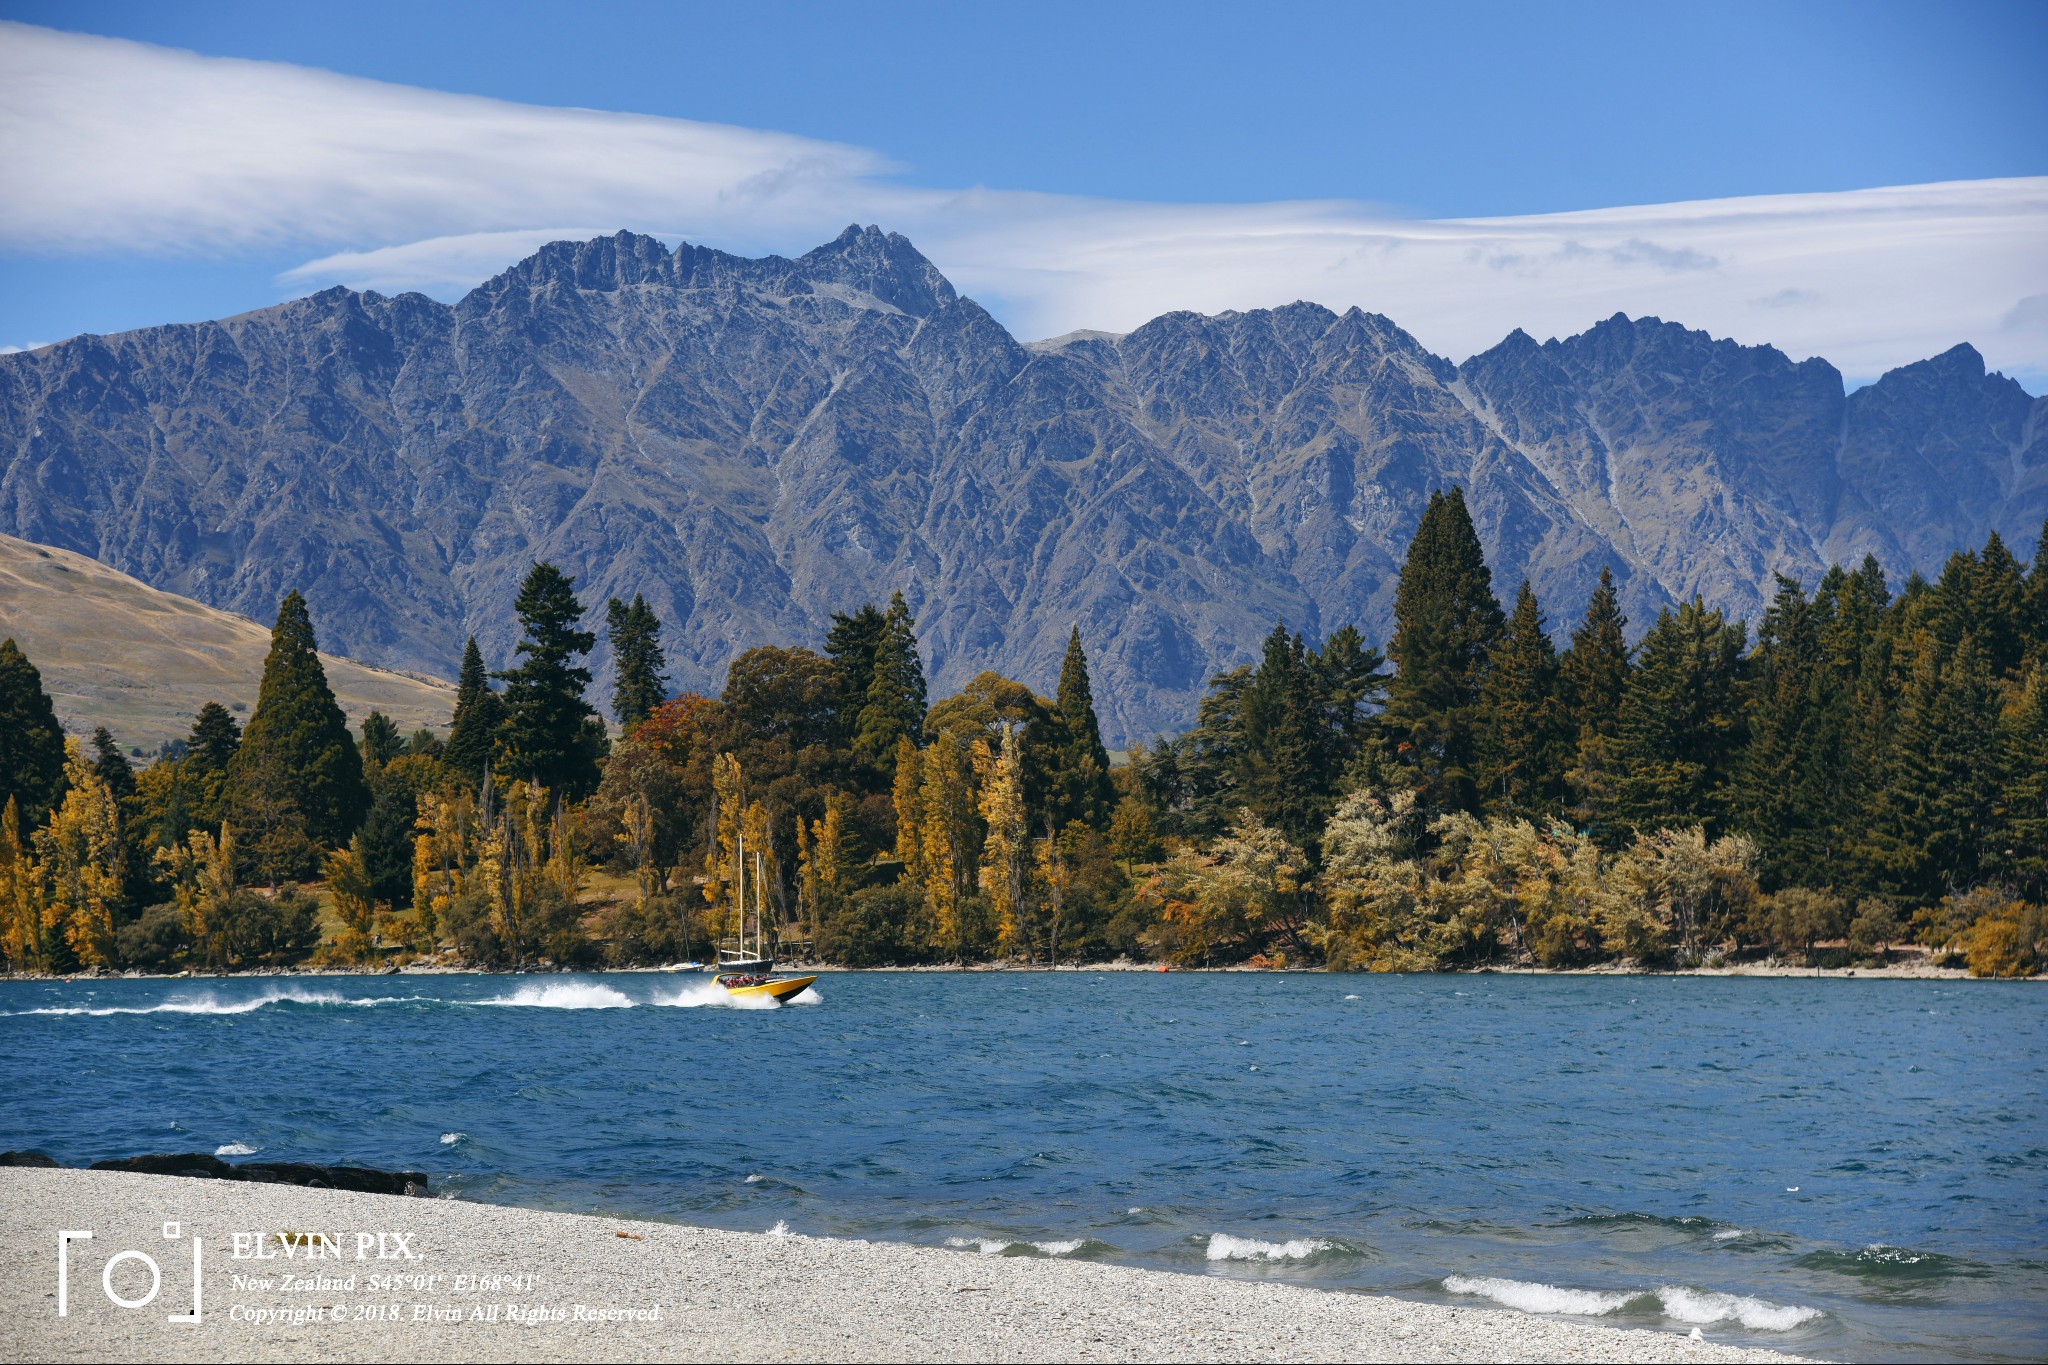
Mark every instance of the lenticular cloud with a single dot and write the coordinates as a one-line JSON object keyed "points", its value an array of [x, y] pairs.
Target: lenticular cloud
{"points": [[395, 187]]}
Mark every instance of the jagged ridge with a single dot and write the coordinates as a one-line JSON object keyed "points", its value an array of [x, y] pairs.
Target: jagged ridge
{"points": [[756, 443]]}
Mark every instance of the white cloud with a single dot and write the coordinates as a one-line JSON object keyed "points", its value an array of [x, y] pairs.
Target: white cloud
{"points": [[117, 146]]}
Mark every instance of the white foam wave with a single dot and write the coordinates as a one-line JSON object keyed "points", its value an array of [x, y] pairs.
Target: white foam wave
{"points": [[753, 1180], [234, 1149], [1537, 1298], [709, 994], [213, 1004], [1708, 1306], [996, 1246], [450, 1139], [565, 995], [1728, 1234], [1681, 1303], [1224, 1247], [781, 1228]]}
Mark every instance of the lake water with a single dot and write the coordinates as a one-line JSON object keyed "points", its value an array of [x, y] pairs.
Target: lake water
{"points": [[1850, 1168]]}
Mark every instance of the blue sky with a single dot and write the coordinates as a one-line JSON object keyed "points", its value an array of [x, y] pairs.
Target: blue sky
{"points": [[1408, 112]]}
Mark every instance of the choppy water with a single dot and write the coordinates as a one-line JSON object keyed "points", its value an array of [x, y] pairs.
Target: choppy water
{"points": [[1852, 1169]]}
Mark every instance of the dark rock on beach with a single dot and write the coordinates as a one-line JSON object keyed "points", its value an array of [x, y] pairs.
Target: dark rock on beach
{"points": [[356, 1179], [25, 1159]]}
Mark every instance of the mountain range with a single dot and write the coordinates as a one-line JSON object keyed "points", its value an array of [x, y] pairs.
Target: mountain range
{"points": [[755, 443]]}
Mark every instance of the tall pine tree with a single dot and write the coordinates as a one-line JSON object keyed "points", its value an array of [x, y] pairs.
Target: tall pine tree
{"points": [[1445, 623], [640, 682], [895, 704], [1592, 678], [1352, 681], [552, 736], [479, 719], [1792, 790], [850, 645], [2022, 841], [1934, 815], [1285, 769], [1523, 756], [31, 740], [297, 751], [1079, 788], [1681, 724], [2034, 605]]}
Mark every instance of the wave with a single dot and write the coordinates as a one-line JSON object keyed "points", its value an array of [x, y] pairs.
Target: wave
{"points": [[1003, 1246], [1224, 1247], [710, 995], [1890, 1264], [213, 1004], [565, 995], [1680, 1303], [450, 1139], [1531, 1297], [234, 1149]]}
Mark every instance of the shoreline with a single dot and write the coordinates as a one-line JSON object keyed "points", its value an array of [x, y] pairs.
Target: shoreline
{"points": [[1920, 970], [589, 1289]]}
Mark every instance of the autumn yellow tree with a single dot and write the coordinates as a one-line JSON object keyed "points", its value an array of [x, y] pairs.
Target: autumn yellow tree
{"points": [[722, 859], [1005, 850], [348, 884], [23, 922], [81, 854], [202, 872], [946, 843]]}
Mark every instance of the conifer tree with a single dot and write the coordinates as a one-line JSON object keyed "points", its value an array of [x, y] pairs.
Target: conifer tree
{"points": [[1284, 770], [381, 740], [1592, 677], [895, 704], [1445, 622], [1997, 612], [850, 645], [552, 736], [1934, 813], [1079, 788], [1351, 679], [298, 739], [479, 719], [31, 740], [1680, 726], [111, 764], [1525, 740], [640, 682], [2034, 604], [1792, 790], [214, 739], [2022, 841], [203, 775]]}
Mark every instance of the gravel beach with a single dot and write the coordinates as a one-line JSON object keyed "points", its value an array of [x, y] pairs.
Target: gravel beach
{"points": [[423, 1279]]}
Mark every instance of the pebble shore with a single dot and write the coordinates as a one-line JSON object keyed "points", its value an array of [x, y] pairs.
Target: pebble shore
{"points": [[594, 1289]]}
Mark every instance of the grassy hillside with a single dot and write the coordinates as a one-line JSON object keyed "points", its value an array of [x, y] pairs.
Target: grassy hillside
{"points": [[116, 652]]}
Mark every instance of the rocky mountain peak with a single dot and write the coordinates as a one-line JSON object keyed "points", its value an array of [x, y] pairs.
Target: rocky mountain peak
{"points": [[882, 264], [755, 443]]}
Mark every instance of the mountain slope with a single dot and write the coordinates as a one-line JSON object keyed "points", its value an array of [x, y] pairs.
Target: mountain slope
{"points": [[754, 444], [118, 653]]}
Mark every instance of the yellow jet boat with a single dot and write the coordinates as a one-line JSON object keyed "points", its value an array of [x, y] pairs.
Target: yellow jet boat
{"points": [[777, 989]]}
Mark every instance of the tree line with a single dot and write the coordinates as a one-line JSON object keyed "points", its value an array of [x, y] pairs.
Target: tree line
{"points": [[1870, 771]]}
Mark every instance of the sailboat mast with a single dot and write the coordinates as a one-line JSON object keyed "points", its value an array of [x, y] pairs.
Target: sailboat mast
{"points": [[741, 928]]}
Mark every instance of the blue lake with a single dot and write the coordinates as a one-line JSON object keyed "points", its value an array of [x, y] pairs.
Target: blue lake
{"points": [[1850, 1168]]}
